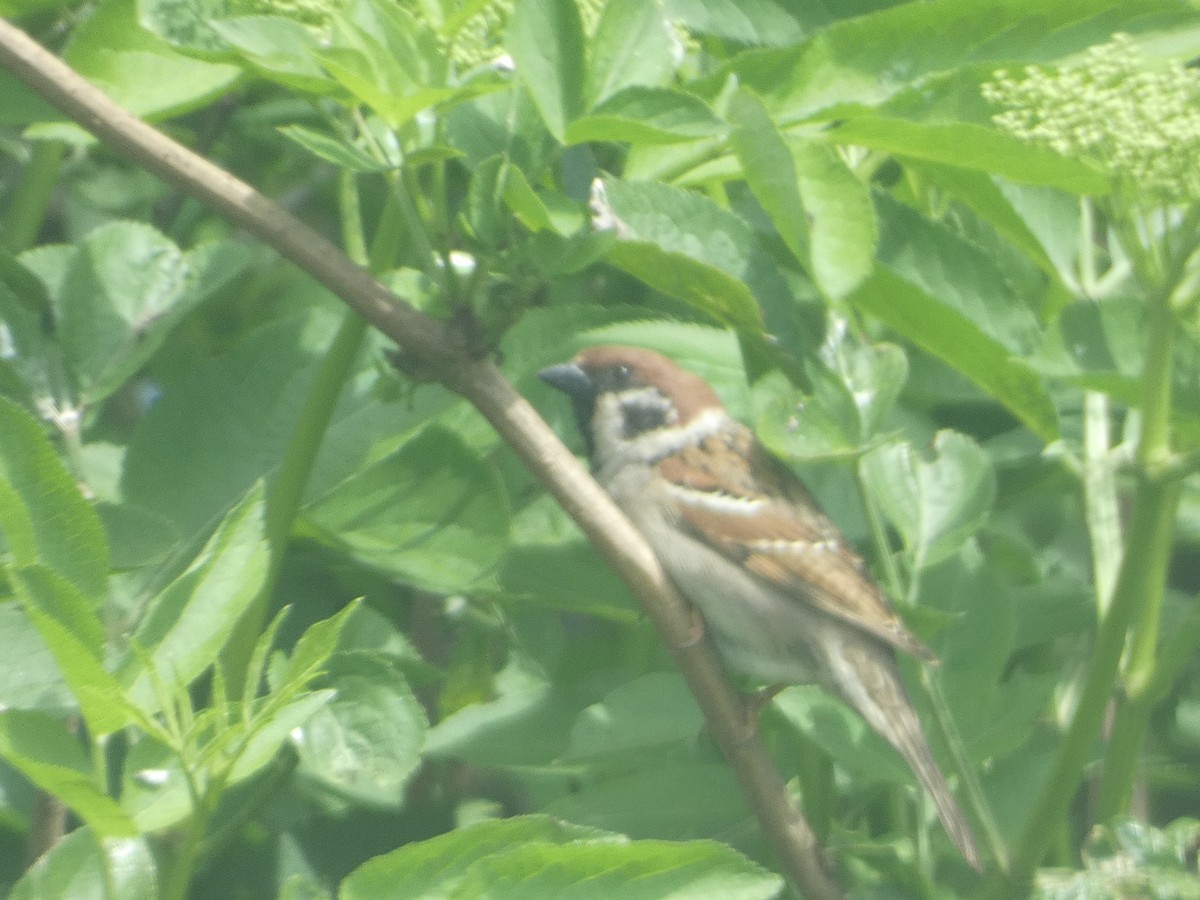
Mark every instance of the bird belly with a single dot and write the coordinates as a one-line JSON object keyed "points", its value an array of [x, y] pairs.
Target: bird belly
{"points": [[759, 631]]}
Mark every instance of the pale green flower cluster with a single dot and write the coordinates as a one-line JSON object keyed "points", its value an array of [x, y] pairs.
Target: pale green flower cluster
{"points": [[478, 41], [1139, 123], [314, 13]]}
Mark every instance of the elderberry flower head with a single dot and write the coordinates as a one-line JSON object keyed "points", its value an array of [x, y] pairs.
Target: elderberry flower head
{"points": [[1138, 122]]}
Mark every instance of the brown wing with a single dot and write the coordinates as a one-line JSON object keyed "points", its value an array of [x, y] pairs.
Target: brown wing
{"points": [[775, 529]]}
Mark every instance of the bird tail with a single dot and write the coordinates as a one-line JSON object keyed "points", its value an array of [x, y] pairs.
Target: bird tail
{"points": [[887, 708], [916, 753]]}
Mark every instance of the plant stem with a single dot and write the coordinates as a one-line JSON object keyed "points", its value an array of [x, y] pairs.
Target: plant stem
{"points": [[287, 488], [1139, 587], [27, 209], [942, 719], [1100, 499]]}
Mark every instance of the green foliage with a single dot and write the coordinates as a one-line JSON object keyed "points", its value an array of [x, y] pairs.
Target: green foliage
{"points": [[263, 599]]}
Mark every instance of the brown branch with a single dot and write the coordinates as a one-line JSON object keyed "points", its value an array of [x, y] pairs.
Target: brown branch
{"points": [[436, 348]]}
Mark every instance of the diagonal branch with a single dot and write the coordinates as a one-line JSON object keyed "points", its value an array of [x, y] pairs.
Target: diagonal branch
{"points": [[440, 352]]}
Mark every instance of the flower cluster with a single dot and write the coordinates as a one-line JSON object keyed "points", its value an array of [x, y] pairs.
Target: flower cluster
{"points": [[1139, 123]]}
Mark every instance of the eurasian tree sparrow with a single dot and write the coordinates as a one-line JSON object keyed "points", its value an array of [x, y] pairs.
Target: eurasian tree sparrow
{"points": [[785, 597]]}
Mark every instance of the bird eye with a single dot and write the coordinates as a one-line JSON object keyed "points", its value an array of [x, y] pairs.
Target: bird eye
{"points": [[624, 372]]}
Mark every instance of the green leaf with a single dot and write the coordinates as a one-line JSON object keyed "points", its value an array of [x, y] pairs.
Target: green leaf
{"points": [[632, 45], [869, 58], [948, 334], [334, 149], [687, 247], [606, 870], [50, 756], [1097, 343], [545, 38], [529, 208], [673, 798], [641, 714], [72, 630], [223, 426], [754, 22], [957, 272], [29, 678], [83, 868], [42, 515], [154, 787], [822, 211], [276, 48], [843, 735], [316, 646], [386, 59], [645, 115], [432, 513], [936, 505], [435, 867], [123, 289], [367, 742], [970, 146], [188, 26], [569, 576], [805, 428], [137, 69], [189, 622], [267, 733]]}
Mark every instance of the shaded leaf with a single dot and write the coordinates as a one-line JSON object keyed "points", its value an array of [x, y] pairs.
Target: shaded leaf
{"points": [[189, 622], [43, 516], [366, 743], [432, 513], [545, 38], [936, 505], [80, 866], [51, 757]]}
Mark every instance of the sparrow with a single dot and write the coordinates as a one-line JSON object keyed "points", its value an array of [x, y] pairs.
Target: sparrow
{"points": [[785, 597]]}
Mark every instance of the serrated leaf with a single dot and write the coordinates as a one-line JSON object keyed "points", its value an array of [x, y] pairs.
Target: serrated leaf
{"points": [[316, 645], [80, 866], [49, 756], [123, 288], [367, 742], [605, 870], [29, 678], [935, 505], [333, 149], [224, 425], [268, 733], [752, 22], [822, 211], [632, 45], [433, 868], [277, 48], [137, 69], [686, 246], [545, 38], [42, 514], [189, 622], [72, 630], [971, 146], [948, 334], [800, 427], [643, 115], [869, 58], [433, 513]]}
